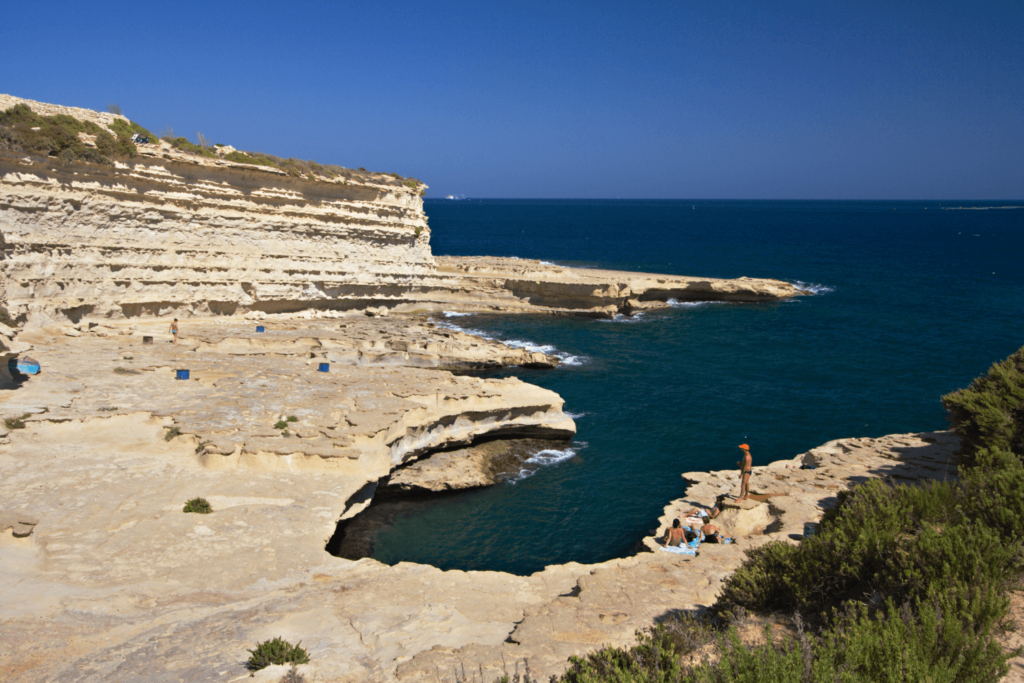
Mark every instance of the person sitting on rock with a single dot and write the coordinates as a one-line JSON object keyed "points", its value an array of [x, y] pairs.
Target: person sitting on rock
{"points": [[712, 534], [676, 535]]}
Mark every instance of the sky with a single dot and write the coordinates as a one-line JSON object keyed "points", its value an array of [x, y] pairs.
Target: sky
{"points": [[724, 100]]}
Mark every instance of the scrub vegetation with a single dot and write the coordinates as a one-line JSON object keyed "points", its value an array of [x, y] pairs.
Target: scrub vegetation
{"points": [[902, 583], [22, 130]]}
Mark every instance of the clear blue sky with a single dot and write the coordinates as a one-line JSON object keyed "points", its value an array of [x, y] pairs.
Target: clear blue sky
{"points": [[590, 99]]}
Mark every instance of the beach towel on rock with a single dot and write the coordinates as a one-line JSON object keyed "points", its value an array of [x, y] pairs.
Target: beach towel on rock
{"points": [[680, 550]]}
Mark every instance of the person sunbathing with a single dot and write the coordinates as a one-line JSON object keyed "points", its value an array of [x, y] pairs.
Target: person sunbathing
{"points": [[702, 513], [675, 536], [712, 534]]}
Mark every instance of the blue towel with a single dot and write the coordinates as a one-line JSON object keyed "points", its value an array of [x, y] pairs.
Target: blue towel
{"points": [[695, 543], [680, 550]]}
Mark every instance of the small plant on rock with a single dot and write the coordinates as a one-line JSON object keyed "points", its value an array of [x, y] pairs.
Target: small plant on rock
{"points": [[125, 371], [276, 651], [292, 418], [280, 424], [198, 505], [16, 422], [171, 433]]}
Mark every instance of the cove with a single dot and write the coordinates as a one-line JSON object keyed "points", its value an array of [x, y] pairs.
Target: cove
{"points": [[914, 300]]}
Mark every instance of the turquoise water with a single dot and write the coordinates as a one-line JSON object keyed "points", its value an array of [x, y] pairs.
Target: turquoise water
{"points": [[914, 302]]}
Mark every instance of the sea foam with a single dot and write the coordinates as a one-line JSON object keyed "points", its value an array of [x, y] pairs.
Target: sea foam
{"points": [[812, 288]]}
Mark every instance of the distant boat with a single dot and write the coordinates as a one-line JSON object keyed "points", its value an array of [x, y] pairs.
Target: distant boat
{"points": [[456, 197]]}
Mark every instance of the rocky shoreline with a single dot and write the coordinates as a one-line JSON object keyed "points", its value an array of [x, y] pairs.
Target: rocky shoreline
{"points": [[102, 546]]}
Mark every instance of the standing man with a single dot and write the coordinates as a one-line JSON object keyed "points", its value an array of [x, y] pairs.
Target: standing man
{"points": [[746, 463], [174, 331]]}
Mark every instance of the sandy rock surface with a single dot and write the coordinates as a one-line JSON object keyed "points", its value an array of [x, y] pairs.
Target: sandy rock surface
{"points": [[105, 578]]}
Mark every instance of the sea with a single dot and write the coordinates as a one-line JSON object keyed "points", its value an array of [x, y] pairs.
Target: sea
{"points": [[909, 300]]}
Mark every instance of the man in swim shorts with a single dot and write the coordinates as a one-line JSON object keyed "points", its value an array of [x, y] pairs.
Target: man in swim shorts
{"points": [[746, 464]]}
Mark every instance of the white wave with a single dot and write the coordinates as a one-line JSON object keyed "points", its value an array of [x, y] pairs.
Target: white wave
{"points": [[639, 317], [546, 349], [548, 263], [546, 458], [455, 328], [454, 314], [574, 416], [529, 346], [812, 288], [550, 456]]}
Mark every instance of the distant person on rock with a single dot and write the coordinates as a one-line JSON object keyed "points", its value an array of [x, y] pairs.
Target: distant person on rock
{"points": [[746, 464], [675, 535], [174, 331]]}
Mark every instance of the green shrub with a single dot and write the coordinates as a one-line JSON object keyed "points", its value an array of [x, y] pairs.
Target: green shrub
{"points": [[198, 505], [276, 651], [281, 424], [172, 432], [990, 412], [16, 422], [292, 418]]}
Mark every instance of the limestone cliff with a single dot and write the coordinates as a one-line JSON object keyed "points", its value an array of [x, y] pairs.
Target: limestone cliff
{"points": [[168, 232]]}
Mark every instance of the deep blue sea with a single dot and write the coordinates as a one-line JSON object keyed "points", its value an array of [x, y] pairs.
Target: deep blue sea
{"points": [[915, 300]]}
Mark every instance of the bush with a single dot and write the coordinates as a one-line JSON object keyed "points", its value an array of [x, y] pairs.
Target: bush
{"points": [[172, 432], [16, 422], [990, 412], [198, 505], [276, 651], [280, 424]]}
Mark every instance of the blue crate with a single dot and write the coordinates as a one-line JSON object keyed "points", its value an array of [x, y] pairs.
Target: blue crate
{"points": [[260, 328], [181, 374], [324, 367]]}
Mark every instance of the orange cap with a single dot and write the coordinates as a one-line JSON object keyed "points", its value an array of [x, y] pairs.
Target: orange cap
{"points": [[744, 446]]}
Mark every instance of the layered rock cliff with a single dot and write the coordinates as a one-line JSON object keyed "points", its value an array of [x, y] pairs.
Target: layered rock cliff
{"points": [[168, 232]]}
